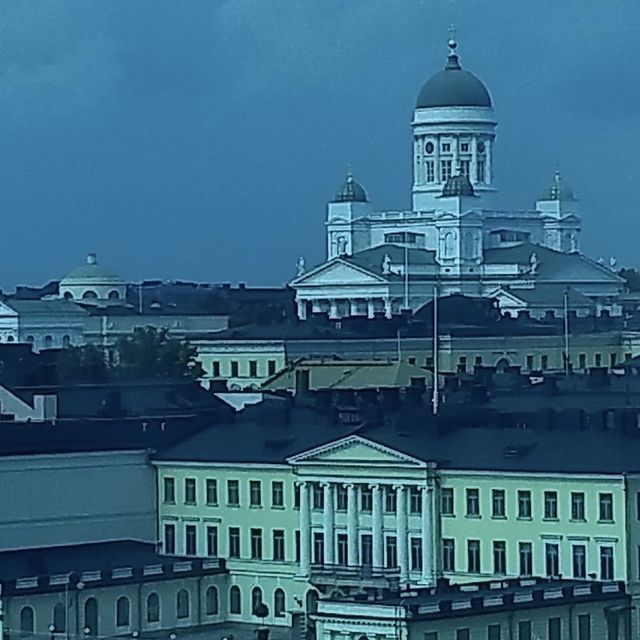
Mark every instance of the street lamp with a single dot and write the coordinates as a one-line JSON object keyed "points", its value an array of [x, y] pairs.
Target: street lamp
{"points": [[52, 628], [172, 636]]}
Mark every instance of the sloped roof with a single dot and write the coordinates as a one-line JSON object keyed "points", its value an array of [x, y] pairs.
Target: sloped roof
{"points": [[371, 259]]}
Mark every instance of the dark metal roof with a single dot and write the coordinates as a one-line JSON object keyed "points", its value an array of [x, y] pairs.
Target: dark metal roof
{"points": [[351, 191], [453, 87], [458, 185]]}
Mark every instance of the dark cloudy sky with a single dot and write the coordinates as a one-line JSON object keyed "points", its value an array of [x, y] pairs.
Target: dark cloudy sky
{"points": [[201, 139]]}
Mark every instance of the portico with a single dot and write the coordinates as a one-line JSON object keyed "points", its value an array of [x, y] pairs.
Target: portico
{"points": [[360, 528]]}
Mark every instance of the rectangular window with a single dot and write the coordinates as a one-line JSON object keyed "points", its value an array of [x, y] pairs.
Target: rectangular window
{"points": [[234, 542], [366, 499], [415, 501], [584, 626], [445, 170], [462, 634], [256, 544], [430, 635], [526, 558], [297, 544], [296, 496], [430, 171], [215, 369], [473, 556], [391, 552], [447, 501], [253, 369], [480, 171], [233, 493], [234, 368], [524, 503], [551, 505], [544, 362], [579, 560], [612, 360], [473, 503], [318, 547], [465, 166], [190, 540], [598, 360], [554, 629], [212, 491], [212, 540], [169, 491], [529, 365], [189, 490], [255, 493], [278, 544], [606, 563], [494, 632], [448, 554], [498, 503], [341, 498], [416, 554], [464, 148], [342, 548], [170, 538], [552, 559], [389, 500], [277, 494], [637, 505], [318, 496], [577, 506], [499, 557], [366, 549], [446, 147], [524, 630], [606, 507], [271, 367], [582, 361]]}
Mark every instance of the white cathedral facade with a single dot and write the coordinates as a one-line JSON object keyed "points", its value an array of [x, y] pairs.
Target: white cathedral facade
{"points": [[453, 240]]}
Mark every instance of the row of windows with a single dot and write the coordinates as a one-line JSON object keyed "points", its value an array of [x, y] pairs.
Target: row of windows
{"points": [[122, 612], [254, 369], [190, 495], [524, 630], [525, 559], [446, 170], [524, 506]]}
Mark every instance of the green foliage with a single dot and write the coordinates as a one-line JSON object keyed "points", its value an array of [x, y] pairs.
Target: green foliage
{"points": [[147, 353], [632, 277]]}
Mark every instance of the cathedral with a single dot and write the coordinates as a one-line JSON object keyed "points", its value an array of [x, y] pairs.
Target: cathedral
{"points": [[454, 239]]}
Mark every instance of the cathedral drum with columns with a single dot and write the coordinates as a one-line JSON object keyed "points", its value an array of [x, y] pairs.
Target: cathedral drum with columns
{"points": [[454, 239]]}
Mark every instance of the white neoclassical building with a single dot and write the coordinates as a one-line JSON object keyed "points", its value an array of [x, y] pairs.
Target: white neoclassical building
{"points": [[454, 237]]}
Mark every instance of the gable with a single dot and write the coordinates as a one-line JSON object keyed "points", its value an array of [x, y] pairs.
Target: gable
{"points": [[338, 272], [355, 450], [6, 310]]}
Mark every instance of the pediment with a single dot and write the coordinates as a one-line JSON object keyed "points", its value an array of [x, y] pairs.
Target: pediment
{"points": [[355, 450], [6, 310], [501, 295], [338, 271]]}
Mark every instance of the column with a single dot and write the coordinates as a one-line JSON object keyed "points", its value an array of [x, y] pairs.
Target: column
{"points": [[427, 529], [370, 308], [353, 307], [329, 542], [333, 309], [455, 159], [352, 525], [488, 169], [474, 160], [376, 521], [305, 528], [302, 309], [417, 165], [401, 532], [387, 308], [436, 159]]}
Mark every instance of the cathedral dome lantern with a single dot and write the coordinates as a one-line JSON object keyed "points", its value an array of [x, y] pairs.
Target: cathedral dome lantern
{"points": [[456, 186], [453, 87], [351, 191]]}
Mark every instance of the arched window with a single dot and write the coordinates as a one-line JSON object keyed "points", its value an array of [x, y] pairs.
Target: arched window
{"points": [[211, 601], [182, 604], [235, 600], [59, 618], [123, 607], [278, 603], [10, 339], [89, 295], [68, 295], [48, 342], [256, 598], [91, 616], [66, 341], [30, 339], [27, 622], [153, 607], [114, 295]]}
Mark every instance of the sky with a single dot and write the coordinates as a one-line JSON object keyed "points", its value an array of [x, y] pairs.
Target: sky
{"points": [[201, 139]]}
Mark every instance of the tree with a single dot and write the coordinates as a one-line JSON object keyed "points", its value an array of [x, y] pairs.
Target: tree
{"points": [[85, 363], [632, 277], [151, 353]]}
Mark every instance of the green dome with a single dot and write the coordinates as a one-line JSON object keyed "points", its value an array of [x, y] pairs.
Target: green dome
{"points": [[458, 185], [91, 272], [559, 190], [351, 191]]}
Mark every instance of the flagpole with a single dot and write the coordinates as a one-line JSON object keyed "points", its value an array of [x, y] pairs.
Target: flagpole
{"points": [[566, 331], [406, 273], [435, 351]]}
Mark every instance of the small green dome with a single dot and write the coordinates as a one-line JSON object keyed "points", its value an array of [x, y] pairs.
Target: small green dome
{"points": [[458, 185], [351, 191], [91, 272], [559, 190]]}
